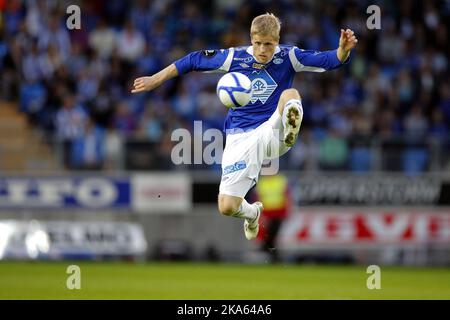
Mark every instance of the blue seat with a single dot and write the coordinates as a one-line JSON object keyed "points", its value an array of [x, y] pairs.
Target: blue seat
{"points": [[360, 159], [415, 160]]}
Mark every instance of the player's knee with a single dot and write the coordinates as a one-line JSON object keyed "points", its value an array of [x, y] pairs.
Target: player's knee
{"points": [[289, 94], [226, 206]]}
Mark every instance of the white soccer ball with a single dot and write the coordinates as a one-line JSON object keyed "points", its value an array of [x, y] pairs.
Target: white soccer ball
{"points": [[234, 90]]}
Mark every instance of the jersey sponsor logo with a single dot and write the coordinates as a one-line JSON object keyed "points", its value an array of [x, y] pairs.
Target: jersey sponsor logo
{"points": [[209, 53], [240, 165], [247, 60], [258, 66], [244, 65], [263, 86], [278, 61]]}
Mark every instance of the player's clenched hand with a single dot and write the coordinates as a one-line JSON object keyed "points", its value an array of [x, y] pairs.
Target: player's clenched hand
{"points": [[348, 40], [144, 84]]}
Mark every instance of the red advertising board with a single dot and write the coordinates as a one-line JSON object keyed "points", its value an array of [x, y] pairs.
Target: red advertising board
{"points": [[353, 226]]}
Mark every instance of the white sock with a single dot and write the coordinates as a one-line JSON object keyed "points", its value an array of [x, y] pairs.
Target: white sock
{"points": [[246, 211], [295, 102]]}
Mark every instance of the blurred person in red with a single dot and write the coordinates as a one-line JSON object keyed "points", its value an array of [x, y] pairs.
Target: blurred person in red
{"points": [[274, 192]]}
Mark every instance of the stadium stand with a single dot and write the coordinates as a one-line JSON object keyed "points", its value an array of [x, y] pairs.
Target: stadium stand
{"points": [[405, 97]]}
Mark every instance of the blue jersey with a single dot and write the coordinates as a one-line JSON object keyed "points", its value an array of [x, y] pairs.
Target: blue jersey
{"points": [[268, 80]]}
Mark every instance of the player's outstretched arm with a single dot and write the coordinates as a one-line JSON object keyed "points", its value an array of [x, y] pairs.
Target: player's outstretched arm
{"points": [[347, 42], [320, 61], [206, 60], [149, 83]]}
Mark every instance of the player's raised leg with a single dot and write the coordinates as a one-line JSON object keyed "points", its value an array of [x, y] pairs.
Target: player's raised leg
{"points": [[239, 208], [291, 111]]}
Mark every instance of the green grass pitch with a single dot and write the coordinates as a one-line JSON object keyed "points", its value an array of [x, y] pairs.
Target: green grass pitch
{"points": [[179, 281]]}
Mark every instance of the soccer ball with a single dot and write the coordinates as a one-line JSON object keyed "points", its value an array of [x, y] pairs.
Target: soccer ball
{"points": [[234, 90]]}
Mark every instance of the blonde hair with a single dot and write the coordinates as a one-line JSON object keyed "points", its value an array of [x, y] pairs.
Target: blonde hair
{"points": [[266, 25]]}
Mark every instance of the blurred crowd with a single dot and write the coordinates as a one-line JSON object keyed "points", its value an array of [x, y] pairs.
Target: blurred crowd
{"points": [[388, 109]]}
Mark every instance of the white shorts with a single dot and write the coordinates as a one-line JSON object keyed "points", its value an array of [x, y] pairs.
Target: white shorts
{"points": [[245, 152]]}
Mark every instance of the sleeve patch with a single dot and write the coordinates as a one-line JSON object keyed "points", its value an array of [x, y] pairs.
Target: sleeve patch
{"points": [[209, 53]]}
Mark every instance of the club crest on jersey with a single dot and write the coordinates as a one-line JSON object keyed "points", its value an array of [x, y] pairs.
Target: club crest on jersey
{"points": [[278, 61], [263, 86]]}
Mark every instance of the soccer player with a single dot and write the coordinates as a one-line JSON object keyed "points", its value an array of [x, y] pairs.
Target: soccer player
{"points": [[268, 126]]}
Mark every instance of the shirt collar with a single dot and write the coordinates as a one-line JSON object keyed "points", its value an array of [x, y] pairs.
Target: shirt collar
{"points": [[250, 51]]}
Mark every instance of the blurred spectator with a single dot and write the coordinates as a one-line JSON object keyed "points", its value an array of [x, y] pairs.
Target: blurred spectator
{"points": [[445, 101], [32, 67], [70, 124], [37, 14], [142, 16], [416, 125], [360, 157], [415, 156], [113, 149], [273, 192], [333, 151], [150, 126], [130, 43], [124, 120], [13, 16], [150, 62], [102, 39], [33, 97], [88, 150], [56, 34], [304, 153], [87, 85], [438, 127], [185, 103]]}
